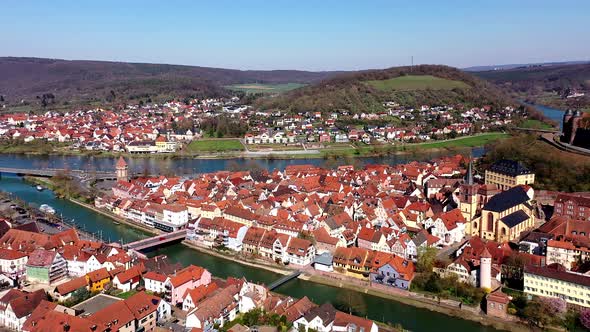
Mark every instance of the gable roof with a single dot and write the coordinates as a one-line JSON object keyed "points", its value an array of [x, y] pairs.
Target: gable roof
{"points": [[515, 218], [507, 199]]}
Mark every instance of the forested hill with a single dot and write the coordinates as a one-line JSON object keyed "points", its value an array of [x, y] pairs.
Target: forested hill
{"points": [[72, 81], [409, 86], [549, 85]]}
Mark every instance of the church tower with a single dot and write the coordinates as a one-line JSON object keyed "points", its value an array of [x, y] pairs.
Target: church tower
{"points": [[122, 170], [468, 200], [485, 269]]}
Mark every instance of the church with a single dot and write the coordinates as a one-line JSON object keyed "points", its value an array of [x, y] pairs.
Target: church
{"points": [[493, 214]]}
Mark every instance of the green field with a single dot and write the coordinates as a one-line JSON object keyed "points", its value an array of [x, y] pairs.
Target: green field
{"points": [[416, 82], [214, 145], [535, 124], [471, 141], [264, 88]]}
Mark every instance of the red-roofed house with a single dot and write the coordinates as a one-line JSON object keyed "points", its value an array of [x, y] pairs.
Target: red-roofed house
{"points": [[190, 277]]}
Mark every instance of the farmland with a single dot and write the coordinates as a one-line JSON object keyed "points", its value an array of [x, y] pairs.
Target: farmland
{"points": [[265, 88]]}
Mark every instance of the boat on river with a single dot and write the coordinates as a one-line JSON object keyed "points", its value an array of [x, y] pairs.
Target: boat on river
{"points": [[46, 209], [39, 188]]}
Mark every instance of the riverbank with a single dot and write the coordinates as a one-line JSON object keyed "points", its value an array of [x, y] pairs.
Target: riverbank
{"points": [[143, 228], [415, 301], [256, 264], [361, 150]]}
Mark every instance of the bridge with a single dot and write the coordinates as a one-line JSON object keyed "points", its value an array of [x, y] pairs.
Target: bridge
{"points": [[49, 172], [284, 280], [157, 240]]}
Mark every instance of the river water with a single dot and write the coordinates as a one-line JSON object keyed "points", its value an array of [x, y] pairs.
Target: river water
{"points": [[191, 166], [380, 309]]}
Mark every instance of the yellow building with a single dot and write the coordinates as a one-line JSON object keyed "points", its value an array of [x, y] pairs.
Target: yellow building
{"points": [[98, 279], [163, 145], [505, 216], [554, 281], [506, 174]]}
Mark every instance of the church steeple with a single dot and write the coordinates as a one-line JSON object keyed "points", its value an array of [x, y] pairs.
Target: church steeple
{"points": [[469, 175]]}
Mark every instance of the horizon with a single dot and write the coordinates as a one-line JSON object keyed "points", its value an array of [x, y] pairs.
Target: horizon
{"points": [[304, 70], [331, 36]]}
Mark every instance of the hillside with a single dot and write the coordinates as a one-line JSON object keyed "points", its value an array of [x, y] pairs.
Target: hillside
{"points": [[366, 91], [87, 81], [547, 85]]}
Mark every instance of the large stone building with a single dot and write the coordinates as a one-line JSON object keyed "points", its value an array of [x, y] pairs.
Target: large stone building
{"points": [[576, 129], [572, 205], [505, 215], [506, 174]]}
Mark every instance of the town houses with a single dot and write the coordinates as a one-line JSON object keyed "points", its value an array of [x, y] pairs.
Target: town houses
{"points": [[370, 223], [150, 128], [313, 128], [64, 282], [147, 128]]}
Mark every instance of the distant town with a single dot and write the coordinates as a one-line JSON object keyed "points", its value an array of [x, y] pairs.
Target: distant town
{"points": [[172, 126]]}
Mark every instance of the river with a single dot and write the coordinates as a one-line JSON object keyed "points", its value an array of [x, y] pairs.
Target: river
{"points": [[412, 318], [191, 166], [550, 113]]}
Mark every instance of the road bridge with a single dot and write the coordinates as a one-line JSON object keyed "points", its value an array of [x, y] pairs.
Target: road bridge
{"points": [[156, 241], [49, 172]]}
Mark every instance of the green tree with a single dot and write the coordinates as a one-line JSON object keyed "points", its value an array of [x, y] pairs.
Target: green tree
{"points": [[426, 259]]}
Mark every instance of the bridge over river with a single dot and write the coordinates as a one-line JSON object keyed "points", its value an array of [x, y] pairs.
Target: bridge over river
{"points": [[156, 241], [49, 172]]}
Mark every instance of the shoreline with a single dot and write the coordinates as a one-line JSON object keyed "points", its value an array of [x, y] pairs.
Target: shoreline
{"points": [[327, 153]]}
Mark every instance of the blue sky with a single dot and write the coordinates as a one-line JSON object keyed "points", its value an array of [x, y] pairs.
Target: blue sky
{"points": [[310, 35]]}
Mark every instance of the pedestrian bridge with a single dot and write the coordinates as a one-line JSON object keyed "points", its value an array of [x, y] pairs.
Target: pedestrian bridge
{"points": [[284, 280], [49, 172], [156, 241]]}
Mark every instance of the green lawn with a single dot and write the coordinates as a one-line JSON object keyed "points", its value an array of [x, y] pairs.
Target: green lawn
{"points": [[264, 88], [126, 295], [213, 145], [471, 141], [535, 124], [417, 82]]}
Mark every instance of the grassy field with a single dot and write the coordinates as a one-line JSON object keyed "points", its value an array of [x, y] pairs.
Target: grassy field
{"points": [[214, 145], [471, 141], [535, 124], [416, 82], [264, 88]]}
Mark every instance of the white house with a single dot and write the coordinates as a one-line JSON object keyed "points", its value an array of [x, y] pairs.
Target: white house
{"points": [[320, 319], [154, 282]]}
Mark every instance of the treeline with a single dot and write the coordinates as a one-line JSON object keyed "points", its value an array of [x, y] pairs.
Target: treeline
{"points": [[223, 126], [350, 92], [554, 169]]}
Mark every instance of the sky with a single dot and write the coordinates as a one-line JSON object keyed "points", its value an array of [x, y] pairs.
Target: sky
{"points": [[299, 34]]}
